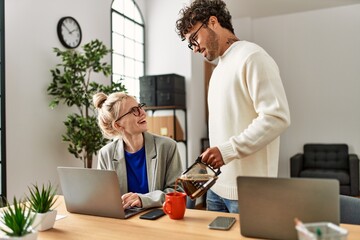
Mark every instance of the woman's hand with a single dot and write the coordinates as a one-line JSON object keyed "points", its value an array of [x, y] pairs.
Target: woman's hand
{"points": [[131, 200]]}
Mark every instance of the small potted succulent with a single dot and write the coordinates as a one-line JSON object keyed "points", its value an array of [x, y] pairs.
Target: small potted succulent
{"points": [[41, 202], [16, 222]]}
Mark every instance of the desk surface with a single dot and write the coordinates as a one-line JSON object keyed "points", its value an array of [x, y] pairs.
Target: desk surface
{"points": [[193, 226]]}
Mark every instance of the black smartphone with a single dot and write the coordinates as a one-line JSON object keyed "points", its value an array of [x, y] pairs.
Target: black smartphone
{"points": [[222, 223], [153, 214]]}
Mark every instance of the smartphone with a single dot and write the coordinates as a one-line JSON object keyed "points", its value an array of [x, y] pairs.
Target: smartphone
{"points": [[222, 223], [153, 214]]}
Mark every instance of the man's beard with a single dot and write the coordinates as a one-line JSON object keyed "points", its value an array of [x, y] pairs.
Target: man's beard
{"points": [[212, 45]]}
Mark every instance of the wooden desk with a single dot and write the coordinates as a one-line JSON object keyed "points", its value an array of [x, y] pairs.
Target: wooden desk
{"points": [[193, 226]]}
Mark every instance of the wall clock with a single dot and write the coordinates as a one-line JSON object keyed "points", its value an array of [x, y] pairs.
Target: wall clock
{"points": [[69, 32]]}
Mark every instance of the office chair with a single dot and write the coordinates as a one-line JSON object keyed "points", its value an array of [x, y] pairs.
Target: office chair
{"points": [[349, 210]]}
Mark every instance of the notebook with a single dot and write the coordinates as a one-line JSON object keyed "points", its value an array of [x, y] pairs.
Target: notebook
{"points": [[93, 192], [268, 206]]}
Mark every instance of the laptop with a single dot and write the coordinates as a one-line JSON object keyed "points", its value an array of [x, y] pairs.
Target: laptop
{"points": [[268, 206], [93, 192]]}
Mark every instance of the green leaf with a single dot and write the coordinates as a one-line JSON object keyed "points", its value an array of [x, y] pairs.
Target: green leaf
{"points": [[17, 218], [73, 85], [42, 199]]}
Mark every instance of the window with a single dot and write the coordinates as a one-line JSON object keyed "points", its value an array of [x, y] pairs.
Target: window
{"points": [[128, 48], [2, 105]]}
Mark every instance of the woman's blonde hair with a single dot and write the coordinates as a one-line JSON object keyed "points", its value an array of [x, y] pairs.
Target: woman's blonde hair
{"points": [[108, 110]]}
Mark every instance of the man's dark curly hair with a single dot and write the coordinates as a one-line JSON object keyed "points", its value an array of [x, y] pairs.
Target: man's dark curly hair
{"points": [[201, 11]]}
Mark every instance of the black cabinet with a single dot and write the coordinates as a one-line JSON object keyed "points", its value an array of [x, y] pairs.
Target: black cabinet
{"points": [[164, 98], [163, 90]]}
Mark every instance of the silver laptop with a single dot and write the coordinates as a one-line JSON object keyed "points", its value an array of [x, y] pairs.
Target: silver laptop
{"points": [[268, 206], [93, 192]]}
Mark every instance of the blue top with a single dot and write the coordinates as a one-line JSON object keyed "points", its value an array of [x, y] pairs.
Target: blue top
{"points": [[136, 171]]}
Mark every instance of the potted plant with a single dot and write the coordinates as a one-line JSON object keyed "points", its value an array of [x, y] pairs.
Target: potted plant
{"points": [[73, 85], [17, 221], [41, 202]]}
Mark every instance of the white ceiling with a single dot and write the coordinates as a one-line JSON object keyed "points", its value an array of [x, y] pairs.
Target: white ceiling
{"points": [[265, 8]]}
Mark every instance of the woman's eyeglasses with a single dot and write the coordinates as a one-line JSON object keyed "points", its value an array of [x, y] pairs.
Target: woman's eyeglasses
{"points": [[133, 110]]}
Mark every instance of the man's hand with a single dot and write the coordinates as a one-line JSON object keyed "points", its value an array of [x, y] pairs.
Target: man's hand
{"points": [[212, 156]]}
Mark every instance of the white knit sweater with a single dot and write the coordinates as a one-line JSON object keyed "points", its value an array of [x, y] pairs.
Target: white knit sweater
{"points": [[248, 110]]}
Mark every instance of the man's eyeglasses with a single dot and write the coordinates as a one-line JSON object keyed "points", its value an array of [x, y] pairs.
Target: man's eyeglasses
{"points": [[133, 110], [192, 39]]}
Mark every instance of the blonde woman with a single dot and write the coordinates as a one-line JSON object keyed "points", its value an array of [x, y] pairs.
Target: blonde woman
{"points": [[147, 165]]}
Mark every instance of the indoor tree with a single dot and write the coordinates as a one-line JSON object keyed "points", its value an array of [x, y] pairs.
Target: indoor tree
{"points": [[73, 84]]}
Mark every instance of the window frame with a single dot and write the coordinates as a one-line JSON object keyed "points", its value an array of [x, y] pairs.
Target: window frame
{"points": [[3, 190], [126, 78]]}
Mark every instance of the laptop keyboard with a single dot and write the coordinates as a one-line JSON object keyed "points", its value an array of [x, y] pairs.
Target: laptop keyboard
{"points": [[132, 211]]}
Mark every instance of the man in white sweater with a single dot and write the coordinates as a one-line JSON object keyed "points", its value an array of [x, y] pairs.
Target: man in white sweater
{"points": [[248, 109]]}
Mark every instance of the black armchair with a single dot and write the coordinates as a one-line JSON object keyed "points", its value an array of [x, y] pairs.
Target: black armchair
{"points": [[328, 161]]}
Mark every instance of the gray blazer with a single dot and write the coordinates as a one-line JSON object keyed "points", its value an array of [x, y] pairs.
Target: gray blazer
{"points": [[163, 165]]}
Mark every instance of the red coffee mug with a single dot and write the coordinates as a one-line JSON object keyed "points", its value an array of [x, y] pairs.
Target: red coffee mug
{"points": [[175, 205]]}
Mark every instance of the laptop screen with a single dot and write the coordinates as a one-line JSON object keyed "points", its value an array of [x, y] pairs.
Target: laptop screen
{"points": [[268, 206], [93, 192]]}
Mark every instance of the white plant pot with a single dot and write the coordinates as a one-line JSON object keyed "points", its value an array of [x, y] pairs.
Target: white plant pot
{"points": [[30, 236], [44, 221]]}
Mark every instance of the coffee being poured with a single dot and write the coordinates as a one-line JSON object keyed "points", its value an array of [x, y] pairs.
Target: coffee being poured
{"points": [[198, 178]]}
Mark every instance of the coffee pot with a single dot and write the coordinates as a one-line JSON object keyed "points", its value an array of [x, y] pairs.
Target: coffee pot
{"points": [[198, 178]]}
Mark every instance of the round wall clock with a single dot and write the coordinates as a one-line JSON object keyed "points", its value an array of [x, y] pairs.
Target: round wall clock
{"points": [[69, 32]]}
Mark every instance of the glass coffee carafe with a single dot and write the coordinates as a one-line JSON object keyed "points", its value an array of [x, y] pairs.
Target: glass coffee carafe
{"points": [[198, 178]]}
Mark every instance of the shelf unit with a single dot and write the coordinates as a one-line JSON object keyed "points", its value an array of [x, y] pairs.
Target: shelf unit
{"points": [[173, 110]]}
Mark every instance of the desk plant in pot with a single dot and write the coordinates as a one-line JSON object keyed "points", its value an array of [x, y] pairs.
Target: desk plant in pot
{"points": [[41, 202], [16, 222], [73, 85]]}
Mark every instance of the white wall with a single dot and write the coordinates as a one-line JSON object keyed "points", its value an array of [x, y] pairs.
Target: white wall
{"points": [[166, 53], [317, 53], [34, 145], [33, 130], [318, 56]]}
